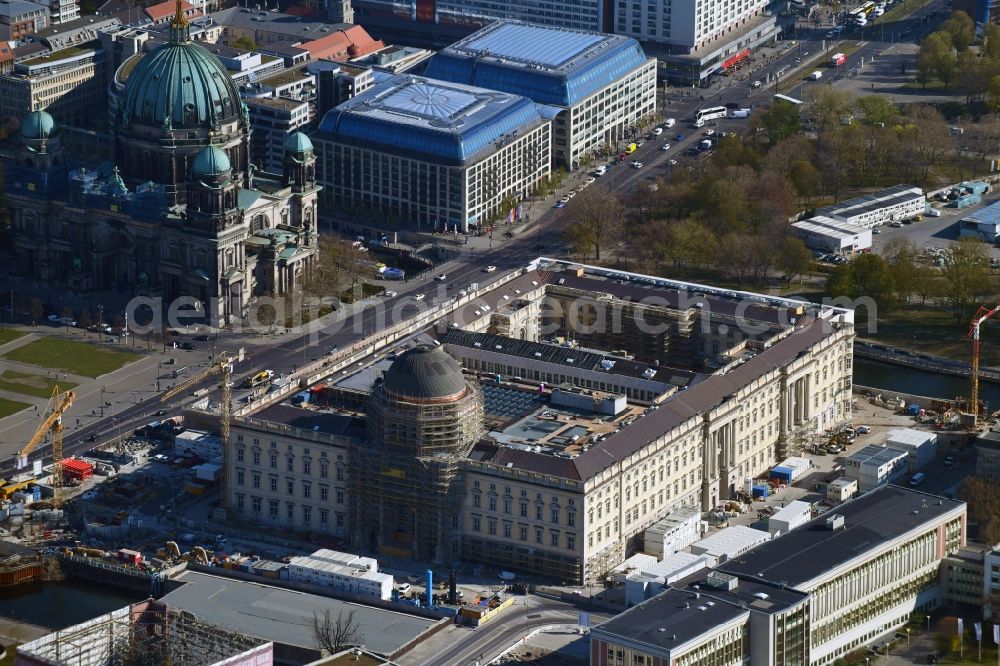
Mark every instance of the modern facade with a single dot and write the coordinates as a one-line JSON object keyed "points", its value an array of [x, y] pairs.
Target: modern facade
{"points": [[892, 204], [810, 596], [593, 86], [69, 84], [181, 139], [338, 82], [63, 11], [561, 487], [432, 154]]}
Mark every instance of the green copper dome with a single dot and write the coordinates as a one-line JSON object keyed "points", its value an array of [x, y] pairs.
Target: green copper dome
{"points": [[38, 125], [179, 85], [298, 143], [210, 161]]}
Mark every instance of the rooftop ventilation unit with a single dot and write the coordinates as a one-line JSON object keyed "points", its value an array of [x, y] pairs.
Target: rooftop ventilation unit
{"points": [[722, 581], [835, 522]]}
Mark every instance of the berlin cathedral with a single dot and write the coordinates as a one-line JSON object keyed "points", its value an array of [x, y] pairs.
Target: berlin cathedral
{"points": [[181, 212]]}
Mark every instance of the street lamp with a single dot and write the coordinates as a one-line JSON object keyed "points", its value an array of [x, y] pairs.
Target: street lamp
{"points": [[907, 637], [102, 401], [158, 364]]}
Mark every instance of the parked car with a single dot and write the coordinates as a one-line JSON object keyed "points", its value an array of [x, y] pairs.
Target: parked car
{"points": [[186, 345], [490, 269], [665, 147], [442, 277], [636, 164], [658, 131], [560, 204], [418, 297], [863, 430]]}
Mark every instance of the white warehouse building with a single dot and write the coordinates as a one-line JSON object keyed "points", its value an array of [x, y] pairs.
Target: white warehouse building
{"points": [[875, 466], [826, 234], [896, 203]]}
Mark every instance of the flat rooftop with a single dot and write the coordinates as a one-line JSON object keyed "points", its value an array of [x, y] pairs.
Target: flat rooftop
{"points": [[828, 226], [986, 215], [871, 521], [285, 616], [875, 201], [692, 606], [560, 66], [431, 118], [331, 423], [875, 454]]}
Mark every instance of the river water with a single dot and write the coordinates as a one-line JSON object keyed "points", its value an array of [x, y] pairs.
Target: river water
{"points": [[890, 377], [60, 605]]}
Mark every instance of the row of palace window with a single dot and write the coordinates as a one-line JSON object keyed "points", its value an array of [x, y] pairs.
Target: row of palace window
{"points": [[555, 537], [273, 485], [306, 468]]}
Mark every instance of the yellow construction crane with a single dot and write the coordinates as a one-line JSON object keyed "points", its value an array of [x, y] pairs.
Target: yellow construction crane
{"points": [[223, 364], [982, 315], [58, 404]]}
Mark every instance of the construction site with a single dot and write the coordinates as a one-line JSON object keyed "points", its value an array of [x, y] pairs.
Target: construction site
{"points": [[149, 632]]}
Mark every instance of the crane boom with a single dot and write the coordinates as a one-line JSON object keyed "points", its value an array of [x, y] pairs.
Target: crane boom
{"points": [[982, 315], [56, 407], [223, 364]]}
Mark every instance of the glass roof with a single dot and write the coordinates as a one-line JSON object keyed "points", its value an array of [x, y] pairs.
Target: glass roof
{"points": [[429, 101], [526, 43]]}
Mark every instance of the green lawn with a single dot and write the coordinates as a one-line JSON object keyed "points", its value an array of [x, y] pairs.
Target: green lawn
{"points": [[76, 357], [29, 384], [8, 407], [9, 335]]}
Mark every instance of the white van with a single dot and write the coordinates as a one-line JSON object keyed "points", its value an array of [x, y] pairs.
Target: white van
{"points": [[739, 113], [934, 212], [816, 76], [669, 122], [600, 171]]}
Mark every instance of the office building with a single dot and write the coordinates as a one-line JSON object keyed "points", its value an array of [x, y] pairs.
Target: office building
{"points": [[592, 86], [892, 204], [988, 456], [69, 84], [19, 18], [63, 11], [279, 104], [338, 82], [432, 154], [810, 596]]}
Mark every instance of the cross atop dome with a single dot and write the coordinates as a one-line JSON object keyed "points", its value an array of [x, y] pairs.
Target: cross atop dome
{"points": [[180, 30]]}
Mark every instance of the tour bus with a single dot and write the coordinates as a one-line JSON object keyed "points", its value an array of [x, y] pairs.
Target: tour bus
{"points": [[711, 113]]}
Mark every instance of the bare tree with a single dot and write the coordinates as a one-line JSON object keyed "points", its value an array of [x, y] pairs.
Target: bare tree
{"points": [[597, 219], [333, 634]]}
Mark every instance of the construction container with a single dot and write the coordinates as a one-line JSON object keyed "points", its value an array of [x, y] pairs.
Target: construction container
{"points": [[761, 490], [967, 200], [791, 469], [130, 556], [74, 469]]}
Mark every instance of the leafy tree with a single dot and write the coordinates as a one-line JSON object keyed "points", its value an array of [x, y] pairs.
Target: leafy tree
{"points": [[806, 179], [993, 94], [867, 275], [973, 75], [962, 30], [781, 121], [793, 257], [991, 42], [829, 106], [901, 255], [983, 500], [244, 43], [937, 57], [691, 245], [966, 272], [596, 220], [876, 109]]}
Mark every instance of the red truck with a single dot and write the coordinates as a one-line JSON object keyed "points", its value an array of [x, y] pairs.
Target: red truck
{"points": [[838, 59]]}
